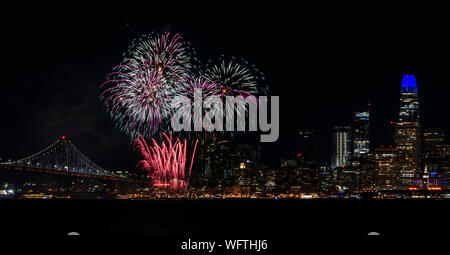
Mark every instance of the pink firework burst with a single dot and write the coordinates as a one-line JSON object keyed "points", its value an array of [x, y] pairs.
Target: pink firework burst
{"points": [[166, 163]]}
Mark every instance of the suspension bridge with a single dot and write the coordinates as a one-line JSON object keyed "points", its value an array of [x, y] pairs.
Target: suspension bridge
{"points": [[61, 158]]}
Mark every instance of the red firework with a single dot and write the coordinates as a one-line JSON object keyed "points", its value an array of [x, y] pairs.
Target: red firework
{"points": [[166, 163]]}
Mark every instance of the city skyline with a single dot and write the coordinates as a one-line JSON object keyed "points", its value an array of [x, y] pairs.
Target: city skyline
{"points": [[90, 99], [228, 166], [347, 124], [320, 84]]}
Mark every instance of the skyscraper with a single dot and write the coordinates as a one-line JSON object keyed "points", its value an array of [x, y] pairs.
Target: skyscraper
{"points": [[407, 134], [248, 174], [431, 138], [409, 100], [341, 147], [384, 165], [361, 138], [307, 147], [307, 158], [433, 162]]}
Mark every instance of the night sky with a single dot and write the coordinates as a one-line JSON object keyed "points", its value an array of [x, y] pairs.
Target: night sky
{"points": [[324, 65]]}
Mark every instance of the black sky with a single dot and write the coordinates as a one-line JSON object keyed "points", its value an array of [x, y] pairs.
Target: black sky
{"points": [[324, 65]]}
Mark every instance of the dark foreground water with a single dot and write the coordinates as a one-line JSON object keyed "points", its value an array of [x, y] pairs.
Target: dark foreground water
{"points": [[226, 218]]}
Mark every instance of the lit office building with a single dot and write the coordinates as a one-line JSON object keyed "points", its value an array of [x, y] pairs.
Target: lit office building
{"points": [[341, 147], [347, 178], [289, 175], [288, 162], [407, 134], [431, 138], [327, 180], [361, 138], [444, 158], [409, 100], [434, 157], [385, 167], [368, 173], [361, 147], [270, 180], [248, 174]]}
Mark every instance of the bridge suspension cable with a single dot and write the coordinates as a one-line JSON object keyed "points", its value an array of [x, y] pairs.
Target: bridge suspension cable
{"points": [[64, 156]]}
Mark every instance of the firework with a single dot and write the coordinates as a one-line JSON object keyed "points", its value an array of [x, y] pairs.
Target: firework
{"points": [[139, 94], [142, 88], [190, 84], [166, 163], [139, 99], [235, 78], [170, 56]]}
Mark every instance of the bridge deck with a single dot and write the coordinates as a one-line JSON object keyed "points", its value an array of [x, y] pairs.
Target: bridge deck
{"points": [[61, 173]]}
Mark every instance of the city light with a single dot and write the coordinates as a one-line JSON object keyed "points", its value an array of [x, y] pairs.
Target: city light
{"points": [[355, 167]]}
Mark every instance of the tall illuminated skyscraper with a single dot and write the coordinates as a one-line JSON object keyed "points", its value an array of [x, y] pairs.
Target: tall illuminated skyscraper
{"points": [[407, 134], [361, 138], [342, 147], [361, 147], [409, 100]]}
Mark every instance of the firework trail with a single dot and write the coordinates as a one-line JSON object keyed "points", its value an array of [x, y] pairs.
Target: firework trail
{"points": [[166, 163], [140, 90]]}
